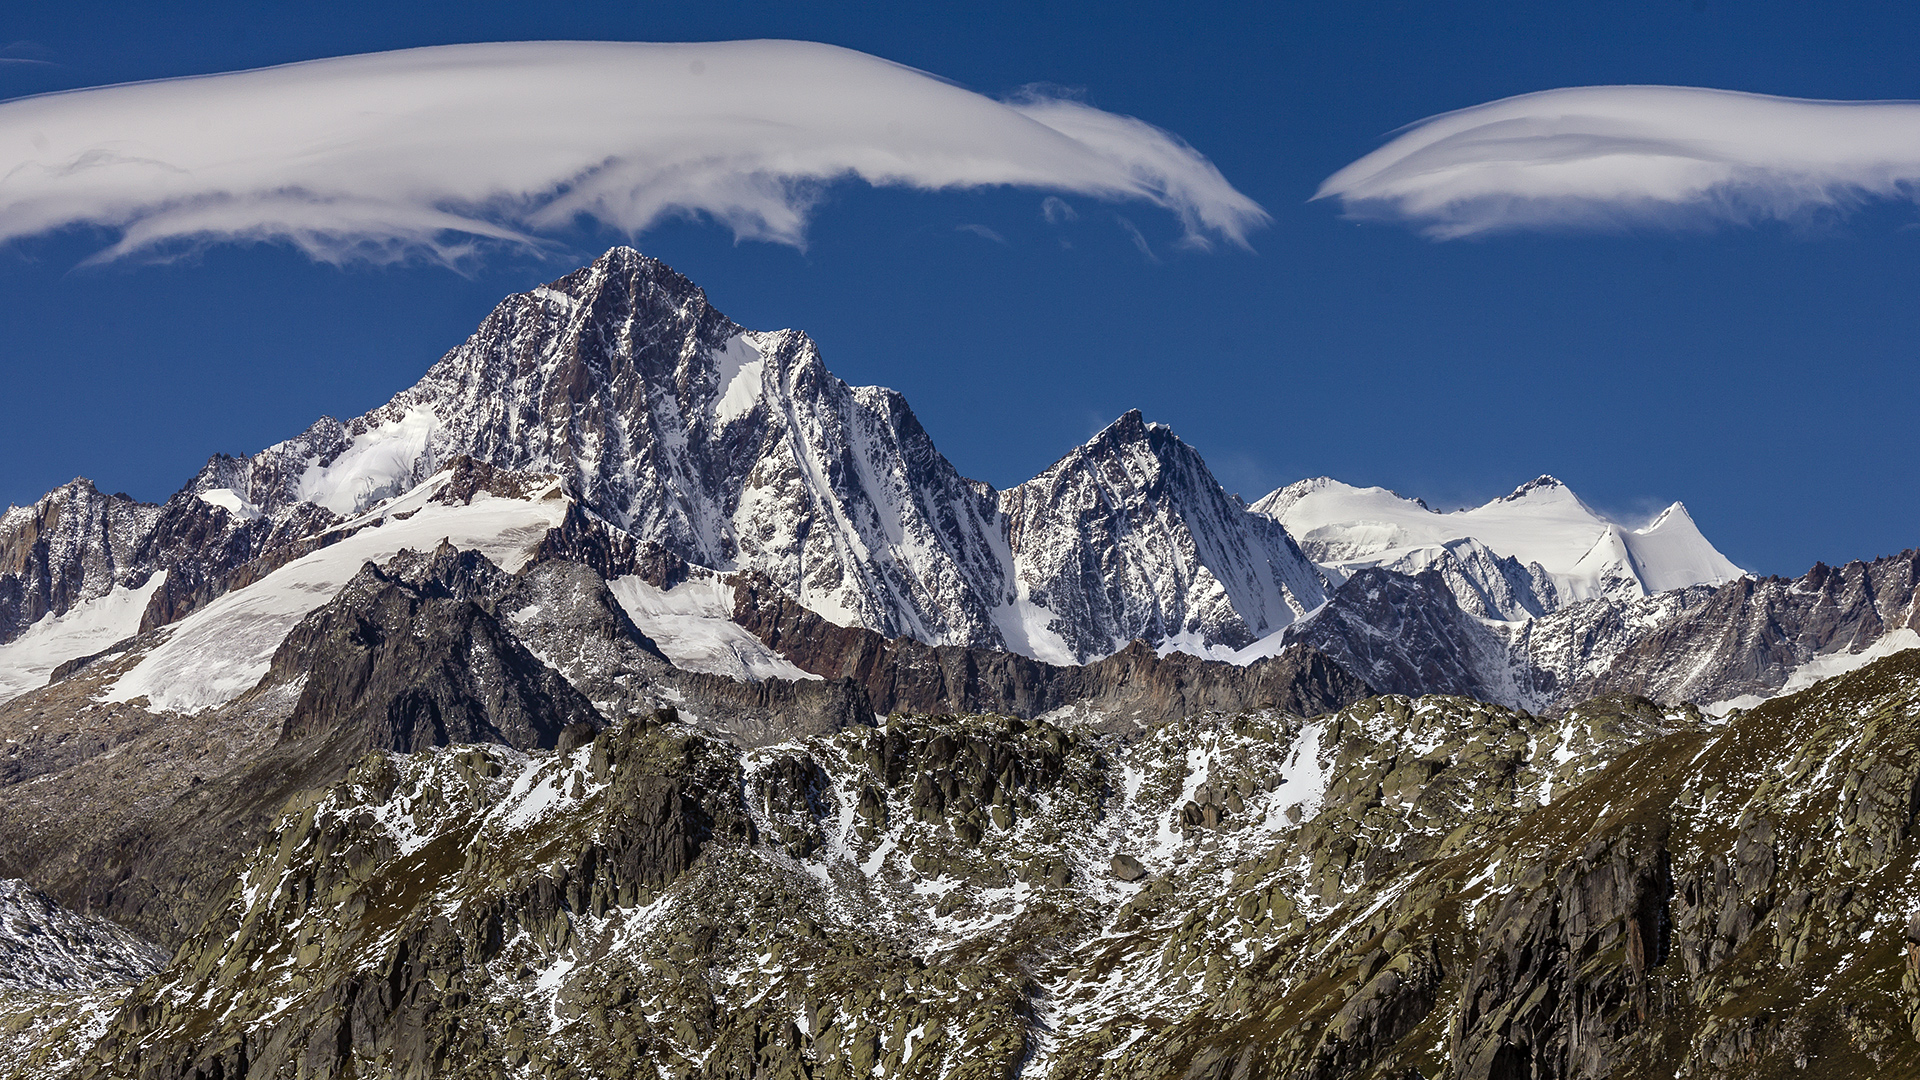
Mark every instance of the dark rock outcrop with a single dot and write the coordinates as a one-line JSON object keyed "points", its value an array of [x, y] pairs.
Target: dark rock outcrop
{"points": [[420, 1006], [1561, 972], [409, 658]]}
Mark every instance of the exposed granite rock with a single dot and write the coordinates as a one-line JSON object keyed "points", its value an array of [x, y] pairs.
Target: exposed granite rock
{"points": [[938, 898], [1750, 635], [207, 552], [74, 544], [1560, 977]]}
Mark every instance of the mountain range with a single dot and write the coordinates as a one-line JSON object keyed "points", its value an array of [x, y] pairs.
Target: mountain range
{"points": [[736, 451], [631, 694]]}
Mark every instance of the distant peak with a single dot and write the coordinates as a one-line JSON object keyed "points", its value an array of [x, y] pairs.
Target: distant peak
{"points": [[624, 255], [1543, 482], [1278, 501], [1130, 427], [1676, 512]]}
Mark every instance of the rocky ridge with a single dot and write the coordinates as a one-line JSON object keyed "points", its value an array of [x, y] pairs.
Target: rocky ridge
{"points": [[1226, 895], [110, 798]]}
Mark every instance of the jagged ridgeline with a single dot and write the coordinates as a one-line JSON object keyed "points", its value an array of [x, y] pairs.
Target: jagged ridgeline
{"points": [[633, 697], [1431, 887]]}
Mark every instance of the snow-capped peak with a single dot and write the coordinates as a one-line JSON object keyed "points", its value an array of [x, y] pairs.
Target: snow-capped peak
{"points": [[1671, 553], [1541, 488], [1541, 525]]}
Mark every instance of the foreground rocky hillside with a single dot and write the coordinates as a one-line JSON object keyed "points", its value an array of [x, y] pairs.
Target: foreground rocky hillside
{"points": [[1430, 887]]}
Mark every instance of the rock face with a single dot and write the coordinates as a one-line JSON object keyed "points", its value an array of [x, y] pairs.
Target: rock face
{"points": [[1753, 635], [75, 544], [407, 659], [1484, 582], [1130, 537], [1408, 635], [1748, 639]]}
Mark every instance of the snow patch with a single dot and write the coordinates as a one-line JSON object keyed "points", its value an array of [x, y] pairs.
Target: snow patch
{"points": [[232, 502], [693, 625], [377, 464], [738, 370], [82, 630]]}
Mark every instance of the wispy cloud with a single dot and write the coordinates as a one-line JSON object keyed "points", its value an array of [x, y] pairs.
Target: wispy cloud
{"points": [[1139, 239], [1607, 156], [1056, 210], [981, 231], [432, 151], [19, 54]]}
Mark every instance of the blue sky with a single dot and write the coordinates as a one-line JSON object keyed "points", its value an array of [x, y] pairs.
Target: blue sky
{"points": [[1763, 373]]}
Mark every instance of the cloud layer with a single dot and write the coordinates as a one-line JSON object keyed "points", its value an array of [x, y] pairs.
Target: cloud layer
{"points": [[429, 151], [1603, 156]]}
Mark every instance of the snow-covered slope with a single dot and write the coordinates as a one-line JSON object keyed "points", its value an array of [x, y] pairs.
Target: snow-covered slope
{"points": [[1562, 550], [693, 625], [222, 650]]}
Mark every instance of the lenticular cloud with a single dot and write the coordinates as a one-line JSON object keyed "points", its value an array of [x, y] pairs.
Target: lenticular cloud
{"points": [[434, 150], [1613, 155]]}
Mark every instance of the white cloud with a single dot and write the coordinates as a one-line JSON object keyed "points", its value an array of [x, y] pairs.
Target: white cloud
{"points": [[430, 151], [1604, 156]]}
